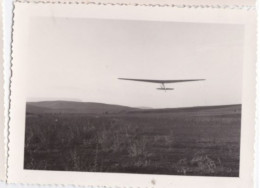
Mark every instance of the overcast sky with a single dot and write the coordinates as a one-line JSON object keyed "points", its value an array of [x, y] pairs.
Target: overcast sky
{"points": [[81, 59]]}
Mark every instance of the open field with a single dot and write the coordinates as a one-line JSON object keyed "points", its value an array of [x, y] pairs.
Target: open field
{"points": [[189, 141]]}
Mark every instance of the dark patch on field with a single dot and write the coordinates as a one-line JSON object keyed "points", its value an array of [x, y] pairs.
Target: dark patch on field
{"points": [[189, 141]]}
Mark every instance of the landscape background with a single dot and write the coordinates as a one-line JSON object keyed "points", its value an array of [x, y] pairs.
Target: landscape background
{"points": [[127, 126], [96, 137]]}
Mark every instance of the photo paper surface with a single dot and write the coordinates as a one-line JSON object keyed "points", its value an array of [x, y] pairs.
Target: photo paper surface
{"points": [[162, 96], [238, 4], [2, 117]]}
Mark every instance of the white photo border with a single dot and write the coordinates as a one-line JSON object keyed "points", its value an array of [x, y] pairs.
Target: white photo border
{"points": [[225, 4], [2, 112]]}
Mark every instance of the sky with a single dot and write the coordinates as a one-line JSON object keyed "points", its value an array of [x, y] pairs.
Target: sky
{"points": [[82, 59]]}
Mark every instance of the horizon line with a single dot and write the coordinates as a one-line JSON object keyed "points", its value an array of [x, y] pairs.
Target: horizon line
{"points": [[132, 106]]}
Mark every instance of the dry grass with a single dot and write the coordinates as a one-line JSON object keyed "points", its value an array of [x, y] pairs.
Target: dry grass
{"points": [[155, 143]]}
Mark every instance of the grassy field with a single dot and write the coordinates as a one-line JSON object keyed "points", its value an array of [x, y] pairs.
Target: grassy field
{"points": [[191, 141]]}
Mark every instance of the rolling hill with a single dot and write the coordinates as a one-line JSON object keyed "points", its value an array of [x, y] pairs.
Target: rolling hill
{"points": [[74, 107]]}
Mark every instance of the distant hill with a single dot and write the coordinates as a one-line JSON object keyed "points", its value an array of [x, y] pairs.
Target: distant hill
{"points": [[101, 108], [196, 111], [74, 107], [236, 107]]}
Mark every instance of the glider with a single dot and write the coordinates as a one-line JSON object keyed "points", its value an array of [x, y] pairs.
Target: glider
{"points": [[162, 82]]}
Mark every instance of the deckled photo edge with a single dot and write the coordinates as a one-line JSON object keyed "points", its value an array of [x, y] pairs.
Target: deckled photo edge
{"points": [[2, 117], [154, 3]]}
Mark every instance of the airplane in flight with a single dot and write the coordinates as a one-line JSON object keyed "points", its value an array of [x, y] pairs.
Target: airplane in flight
{"points": [[162, 82]]}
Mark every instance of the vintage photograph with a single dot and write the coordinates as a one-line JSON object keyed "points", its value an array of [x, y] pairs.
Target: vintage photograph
{"points": [[133, 96]]}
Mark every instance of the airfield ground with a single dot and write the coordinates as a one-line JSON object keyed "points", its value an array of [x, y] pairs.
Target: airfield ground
{"points": [[192, 141]]}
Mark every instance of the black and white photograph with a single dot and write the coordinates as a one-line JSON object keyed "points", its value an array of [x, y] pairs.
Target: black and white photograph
{"points": [[134, 97]]}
